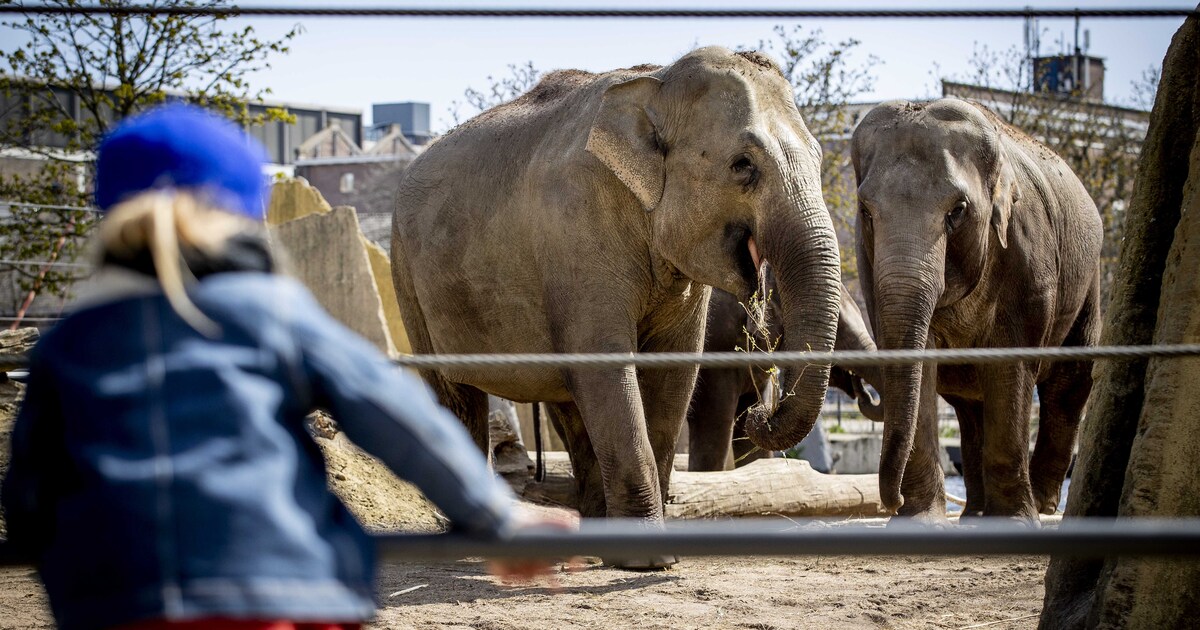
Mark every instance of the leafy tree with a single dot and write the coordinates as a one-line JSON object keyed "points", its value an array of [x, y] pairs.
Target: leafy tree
{"points": [[825, 80], [1099, 141], [68, 77]]}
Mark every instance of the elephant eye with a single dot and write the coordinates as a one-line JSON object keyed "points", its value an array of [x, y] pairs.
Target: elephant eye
{"points": [[954, 217], [865, 213], [744, 171]]}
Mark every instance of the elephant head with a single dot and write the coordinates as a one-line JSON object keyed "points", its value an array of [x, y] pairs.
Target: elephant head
{"points": [[935, 193], [715, 151]]}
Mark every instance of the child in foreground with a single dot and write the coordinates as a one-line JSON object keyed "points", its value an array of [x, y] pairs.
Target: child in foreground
{"points": [[161, 472]]}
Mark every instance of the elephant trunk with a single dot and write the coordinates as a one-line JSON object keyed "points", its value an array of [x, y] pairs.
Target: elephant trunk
{"points": [[906, 292], [808, 272], [852, 334], [870, 409]]}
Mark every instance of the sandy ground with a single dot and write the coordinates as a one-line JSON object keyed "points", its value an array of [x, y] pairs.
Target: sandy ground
{"points": [[753, 593], [709, 593]]}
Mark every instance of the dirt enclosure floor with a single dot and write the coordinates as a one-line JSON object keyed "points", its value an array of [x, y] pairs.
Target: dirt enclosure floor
{"points": [[708, 593], [751, 593]]}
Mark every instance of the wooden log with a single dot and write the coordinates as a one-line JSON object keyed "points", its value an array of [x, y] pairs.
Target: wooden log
{"points": [[786, 487]]}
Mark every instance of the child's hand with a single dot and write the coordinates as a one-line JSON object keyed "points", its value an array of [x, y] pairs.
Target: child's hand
{"points": [[520, 570]]}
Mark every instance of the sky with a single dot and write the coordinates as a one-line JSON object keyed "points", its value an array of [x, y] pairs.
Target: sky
{"points": [[354, 62]]}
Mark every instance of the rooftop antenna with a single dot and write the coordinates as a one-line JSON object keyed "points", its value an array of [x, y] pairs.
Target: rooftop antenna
{"points": [[1087, 64], [1033, 44], [1077, 85]]}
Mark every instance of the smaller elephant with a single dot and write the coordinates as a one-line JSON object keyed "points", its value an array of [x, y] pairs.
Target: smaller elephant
{"points": [[716, 415], [971, 234]]}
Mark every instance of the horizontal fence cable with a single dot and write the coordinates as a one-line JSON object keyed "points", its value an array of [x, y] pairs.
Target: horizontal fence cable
{"points": [[34, 263], [43, 206], [484, 12], [615, 539], [846, 358], [631, 538]]}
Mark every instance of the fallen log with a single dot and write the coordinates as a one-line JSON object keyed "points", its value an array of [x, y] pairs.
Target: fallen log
{"points": [[785, 487], [788, 487]]}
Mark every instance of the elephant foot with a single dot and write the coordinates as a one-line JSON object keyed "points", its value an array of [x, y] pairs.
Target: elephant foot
{"points": [[1047, 502], [1024, 515], [970, 512], [923, 508], [928, 518], [657, 563]]}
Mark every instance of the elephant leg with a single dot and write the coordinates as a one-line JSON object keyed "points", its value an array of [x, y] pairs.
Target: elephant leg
{"points": [[589, 483], [666, 394], [469, 404], [610, 405], [1063, 396], [1007, 396], [665, 397], [970, 427], [1063, 393], [710, 420], [924, 483]]}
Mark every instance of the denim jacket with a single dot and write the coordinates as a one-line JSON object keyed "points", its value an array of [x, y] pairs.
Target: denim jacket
{"points": [[158, 473]]}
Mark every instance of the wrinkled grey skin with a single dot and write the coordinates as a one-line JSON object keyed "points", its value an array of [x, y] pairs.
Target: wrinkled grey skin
{"points": [[587, 216], [973, 235], [716, 437]]}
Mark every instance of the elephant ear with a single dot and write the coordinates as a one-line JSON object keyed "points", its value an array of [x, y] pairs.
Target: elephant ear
{"points": [[624, 138], [1005, 194]]}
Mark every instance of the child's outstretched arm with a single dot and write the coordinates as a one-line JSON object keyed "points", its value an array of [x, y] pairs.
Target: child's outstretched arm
{"points": [[393, 416]]}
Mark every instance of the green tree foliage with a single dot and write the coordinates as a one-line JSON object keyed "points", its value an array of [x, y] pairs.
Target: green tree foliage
{"points": [[67, 78], [1099, 141], [825, 80]]}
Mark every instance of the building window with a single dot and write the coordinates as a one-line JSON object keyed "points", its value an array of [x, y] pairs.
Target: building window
{"points": [[347, 184]]}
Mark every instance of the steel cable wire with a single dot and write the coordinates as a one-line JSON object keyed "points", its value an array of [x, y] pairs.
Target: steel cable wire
{"points": [[485, 12], [846, 358]]}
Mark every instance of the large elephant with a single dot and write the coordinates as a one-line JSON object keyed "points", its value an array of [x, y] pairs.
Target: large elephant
{"points": [[588, 216], [716, 434], [970, 235]]}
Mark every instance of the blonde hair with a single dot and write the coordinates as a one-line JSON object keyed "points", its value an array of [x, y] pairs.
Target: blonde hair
{"points": [[164, 223]]}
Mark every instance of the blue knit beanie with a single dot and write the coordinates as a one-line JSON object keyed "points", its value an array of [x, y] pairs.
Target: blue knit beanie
{"points": [[183, 147]]}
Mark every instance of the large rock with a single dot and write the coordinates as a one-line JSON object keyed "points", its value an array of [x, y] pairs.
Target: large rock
{"points": [[1139, 451], [329, 255], [293, 199], [381, 268], [15, 346]]}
